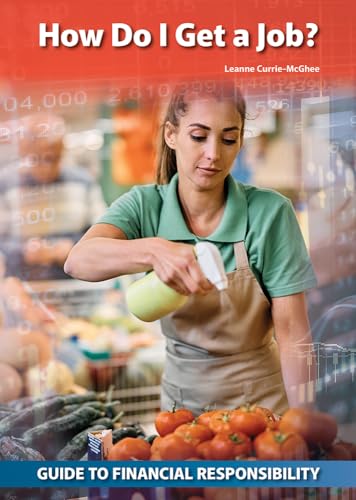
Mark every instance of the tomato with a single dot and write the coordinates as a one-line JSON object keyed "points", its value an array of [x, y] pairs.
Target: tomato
{"points": [[194, 433], [155, 444], [338, 452], [221, 448], [220, 422], [273, 445], [173, 447], [315, 427], [167, 421], [204, 418], [155, 456], [242, 444], [247, 420], [203, 450], [271, 420], [228, 446], [130, 448]]}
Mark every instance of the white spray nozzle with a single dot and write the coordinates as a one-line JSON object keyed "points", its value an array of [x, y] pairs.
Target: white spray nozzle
{"points": [[211, 264]]}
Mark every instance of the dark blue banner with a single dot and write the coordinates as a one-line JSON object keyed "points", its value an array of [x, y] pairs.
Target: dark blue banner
{"points": [[313, 474]]}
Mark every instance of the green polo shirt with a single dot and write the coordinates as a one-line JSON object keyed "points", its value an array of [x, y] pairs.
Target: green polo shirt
{"points": [[262, 218]]}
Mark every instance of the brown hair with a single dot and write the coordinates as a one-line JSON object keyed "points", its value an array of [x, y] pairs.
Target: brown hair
{"points": [[177, 107]]}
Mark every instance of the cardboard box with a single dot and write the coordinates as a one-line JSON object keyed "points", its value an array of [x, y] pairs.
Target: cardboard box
{"points": [[99, 444]]}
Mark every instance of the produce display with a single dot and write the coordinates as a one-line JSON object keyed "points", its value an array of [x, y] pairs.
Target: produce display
{"points": [[246, 433], [56, 427], [44, 351]]}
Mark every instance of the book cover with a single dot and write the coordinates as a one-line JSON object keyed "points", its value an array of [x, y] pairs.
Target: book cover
{"points": [[95, 78]]}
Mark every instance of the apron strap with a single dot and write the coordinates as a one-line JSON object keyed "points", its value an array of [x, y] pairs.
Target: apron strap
{"points": [[241, 256]]}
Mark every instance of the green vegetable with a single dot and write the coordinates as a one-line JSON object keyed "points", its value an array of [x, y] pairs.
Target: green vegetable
{"points": [[25, 402], [106, 421], [14, 424], [73, 422], [68, 409], [124, 432], [138, 427], [73, 399]]}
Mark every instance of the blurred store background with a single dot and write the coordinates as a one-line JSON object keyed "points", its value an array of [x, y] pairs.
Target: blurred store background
{"points": [[56, 332]]}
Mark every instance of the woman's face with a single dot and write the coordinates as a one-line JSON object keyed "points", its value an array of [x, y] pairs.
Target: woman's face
{"points": [[206, 142]]}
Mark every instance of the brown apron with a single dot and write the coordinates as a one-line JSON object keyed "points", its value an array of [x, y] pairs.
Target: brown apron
{"points": [[220, 348]]}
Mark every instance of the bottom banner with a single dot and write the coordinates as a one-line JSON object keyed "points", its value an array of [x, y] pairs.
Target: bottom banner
{"points": [[135, 474]]}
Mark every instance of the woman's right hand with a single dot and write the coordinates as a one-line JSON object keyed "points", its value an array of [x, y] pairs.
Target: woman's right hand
{"points": [[176, 265]]}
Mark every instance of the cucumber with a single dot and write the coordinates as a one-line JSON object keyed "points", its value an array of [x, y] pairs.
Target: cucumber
{"points": [[27, 401], [73, 423], [73, 399], [14, 424], [124, 432], [106, 421], [98, 405]]}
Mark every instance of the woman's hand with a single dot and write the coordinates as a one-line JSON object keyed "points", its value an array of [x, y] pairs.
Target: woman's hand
{"points": [[176, 265], [104, 252]]}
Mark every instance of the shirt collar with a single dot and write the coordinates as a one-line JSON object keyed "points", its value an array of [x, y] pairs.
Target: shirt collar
{"points": [[232, 227]]}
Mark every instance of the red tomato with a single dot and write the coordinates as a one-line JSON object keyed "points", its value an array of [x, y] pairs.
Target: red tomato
{"points": [[194, 433], [273, 445], [226, 447], [203, 450], [271, 420], [130, 448], [221, 448], [220, 422], [173, 447], [167, 421], [204, 418], [247, 420], [242, 444], [155, 444], [315, 427]]}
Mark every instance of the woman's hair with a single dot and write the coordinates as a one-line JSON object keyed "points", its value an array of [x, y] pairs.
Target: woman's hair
{"points": [[177, 107]]}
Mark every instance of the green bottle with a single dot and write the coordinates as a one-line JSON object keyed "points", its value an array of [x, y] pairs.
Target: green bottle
{"points": [[150, 299]]}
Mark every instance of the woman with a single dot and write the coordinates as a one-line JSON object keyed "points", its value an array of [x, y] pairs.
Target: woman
{"points": [[221, 347]]}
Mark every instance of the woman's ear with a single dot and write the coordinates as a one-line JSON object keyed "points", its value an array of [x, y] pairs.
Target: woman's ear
{"points": [[170, 135]]}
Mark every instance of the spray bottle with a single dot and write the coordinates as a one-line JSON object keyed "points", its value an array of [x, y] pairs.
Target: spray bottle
{"points": [[150, 299]]}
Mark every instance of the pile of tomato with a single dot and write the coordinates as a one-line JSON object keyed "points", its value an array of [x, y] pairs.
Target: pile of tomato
{"points": [[249, 432]]}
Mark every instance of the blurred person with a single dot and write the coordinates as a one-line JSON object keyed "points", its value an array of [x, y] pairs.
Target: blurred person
{"points": [[45, 207]]}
